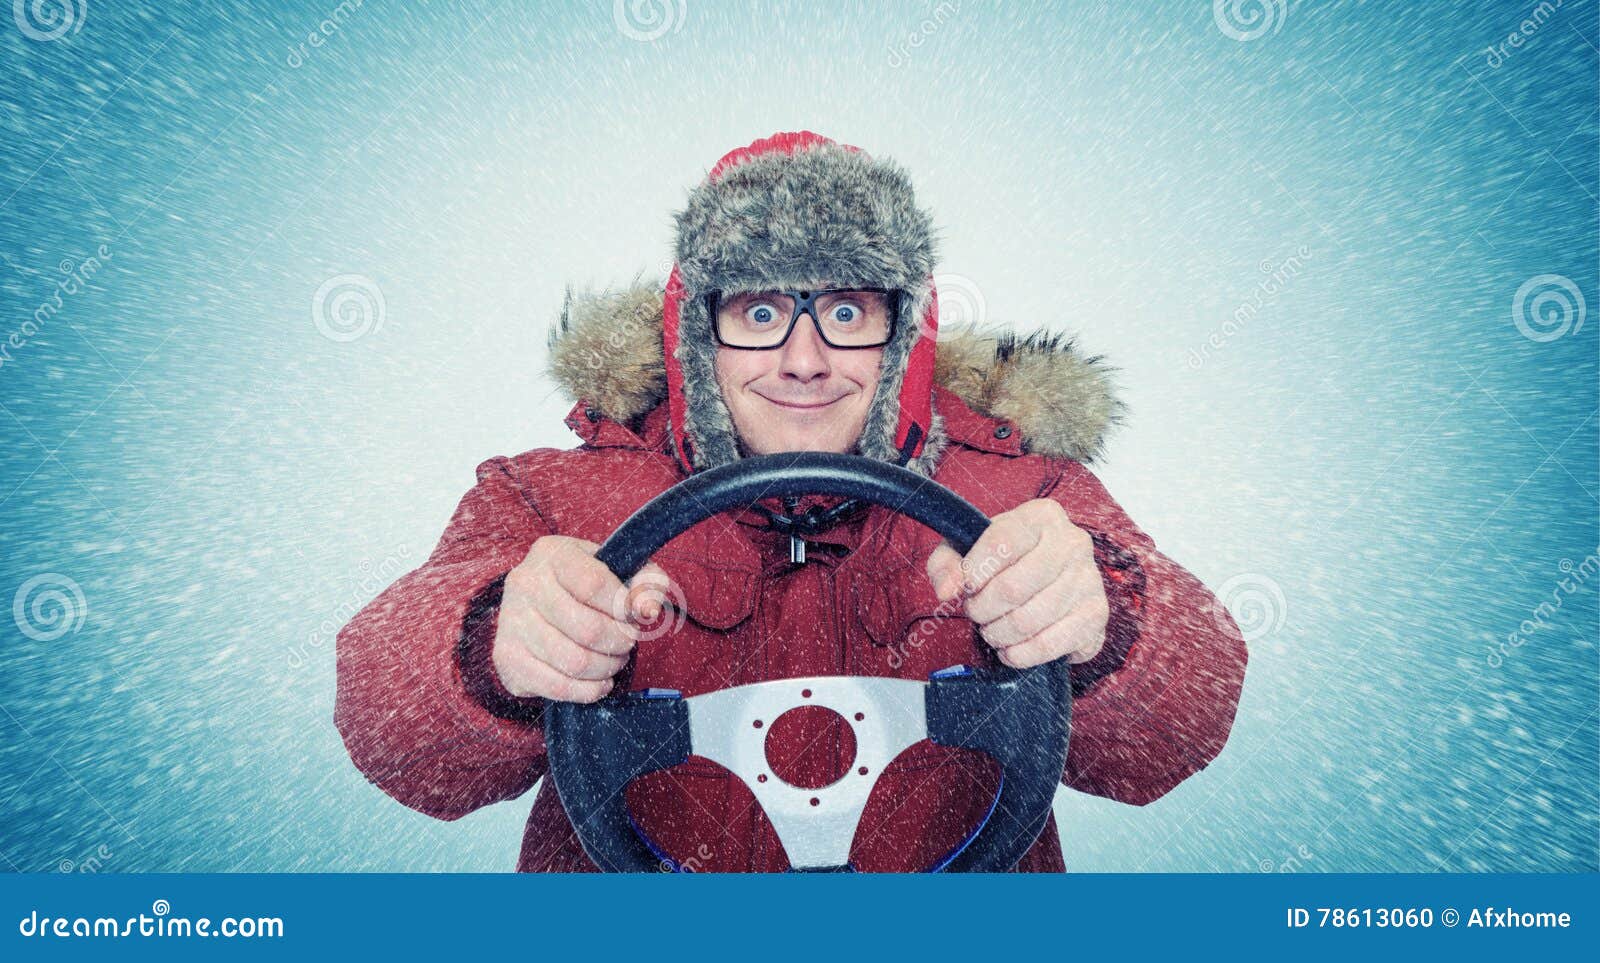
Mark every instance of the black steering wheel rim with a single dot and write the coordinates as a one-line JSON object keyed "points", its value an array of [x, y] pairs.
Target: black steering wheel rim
{"points": [[596, 749], [748, 480]]}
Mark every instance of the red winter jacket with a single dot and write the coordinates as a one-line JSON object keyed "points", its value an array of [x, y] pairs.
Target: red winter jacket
{"points": [[424, 717]]}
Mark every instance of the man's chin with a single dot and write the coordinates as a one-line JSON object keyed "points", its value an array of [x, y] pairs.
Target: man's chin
{"points": [[779, 446]]}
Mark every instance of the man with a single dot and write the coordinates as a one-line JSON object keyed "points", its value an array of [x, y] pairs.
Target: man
{"points": [[801, 315]]}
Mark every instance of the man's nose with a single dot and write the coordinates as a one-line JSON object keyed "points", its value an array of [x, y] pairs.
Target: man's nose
{"points": [[805, 354]]}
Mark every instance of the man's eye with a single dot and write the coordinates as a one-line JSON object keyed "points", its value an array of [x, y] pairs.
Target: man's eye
{"points": [[761, 314], [846, 314]]}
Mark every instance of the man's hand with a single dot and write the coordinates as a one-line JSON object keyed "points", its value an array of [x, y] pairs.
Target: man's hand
{"points": [[566, 624], [1031, 584]]}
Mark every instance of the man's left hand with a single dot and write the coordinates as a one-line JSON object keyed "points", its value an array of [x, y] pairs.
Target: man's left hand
{"points": [[1031, 584]]}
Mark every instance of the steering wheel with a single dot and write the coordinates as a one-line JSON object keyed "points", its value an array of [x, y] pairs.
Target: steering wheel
{"points": [[1019, 718]]}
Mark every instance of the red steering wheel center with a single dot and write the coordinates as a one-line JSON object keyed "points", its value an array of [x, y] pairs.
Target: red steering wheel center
{"points": [[810, 747]]}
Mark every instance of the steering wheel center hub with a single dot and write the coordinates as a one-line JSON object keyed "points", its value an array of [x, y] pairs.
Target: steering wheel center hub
{"points": [[810, 747], [816, 826]]}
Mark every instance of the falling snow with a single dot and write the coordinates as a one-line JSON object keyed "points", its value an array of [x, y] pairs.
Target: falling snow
{"points": [[268, 299]]}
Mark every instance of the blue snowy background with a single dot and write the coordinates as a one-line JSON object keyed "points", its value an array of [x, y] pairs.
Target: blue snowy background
{"points": [[268, 301]]}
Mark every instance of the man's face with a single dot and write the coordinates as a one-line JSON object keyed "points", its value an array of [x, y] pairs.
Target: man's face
{"points": [[803, 396]]}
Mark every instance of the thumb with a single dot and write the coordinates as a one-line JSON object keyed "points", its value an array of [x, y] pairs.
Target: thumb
{"points": [[648, 591], [944, 572]]}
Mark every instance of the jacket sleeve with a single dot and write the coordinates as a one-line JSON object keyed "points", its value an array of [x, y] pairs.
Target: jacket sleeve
{"points": [[415, 688], [1156, 705]]}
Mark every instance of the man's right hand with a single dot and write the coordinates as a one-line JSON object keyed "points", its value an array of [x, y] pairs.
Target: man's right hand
{"points": [[567, 624]]}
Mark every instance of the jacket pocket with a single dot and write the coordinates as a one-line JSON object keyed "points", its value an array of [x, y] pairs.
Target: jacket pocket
{"points": [[695, 645], [713, 597], [906, 630]]}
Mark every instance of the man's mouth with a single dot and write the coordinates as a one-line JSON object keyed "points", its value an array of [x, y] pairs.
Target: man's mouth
{"points": [[800, 405]]}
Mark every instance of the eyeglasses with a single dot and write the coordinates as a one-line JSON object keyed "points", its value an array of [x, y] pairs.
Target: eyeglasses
{"points": [[844, 317]]}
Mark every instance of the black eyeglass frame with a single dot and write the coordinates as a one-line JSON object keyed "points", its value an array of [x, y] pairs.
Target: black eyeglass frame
{"points": [[804, 303]]}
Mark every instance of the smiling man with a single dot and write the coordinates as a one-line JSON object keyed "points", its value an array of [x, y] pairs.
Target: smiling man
{"points": [[813, 396], [801, 316]]}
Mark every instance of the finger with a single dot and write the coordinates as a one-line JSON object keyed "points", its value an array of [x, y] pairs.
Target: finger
{"points": [[1005, 541], [529, 676], [650, 589], [1079, 635], [547, 549], [571, 658], [944, 572], [592, 629], [587, 579], [1018, 584], [1038, 613]]}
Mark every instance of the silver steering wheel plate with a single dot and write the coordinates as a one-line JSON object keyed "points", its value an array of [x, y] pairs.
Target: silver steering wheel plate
{"points": [[816, 826]]}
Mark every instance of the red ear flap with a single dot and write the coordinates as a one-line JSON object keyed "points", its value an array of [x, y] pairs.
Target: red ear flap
{"points": [[916, 390], [676, 408]]}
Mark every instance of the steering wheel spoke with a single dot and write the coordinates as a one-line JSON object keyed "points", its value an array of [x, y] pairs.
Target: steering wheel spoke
{"points": [[816, 826]]}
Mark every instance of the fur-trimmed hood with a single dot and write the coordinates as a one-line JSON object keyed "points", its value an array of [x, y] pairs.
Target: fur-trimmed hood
{"points": [[606, 351]]}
